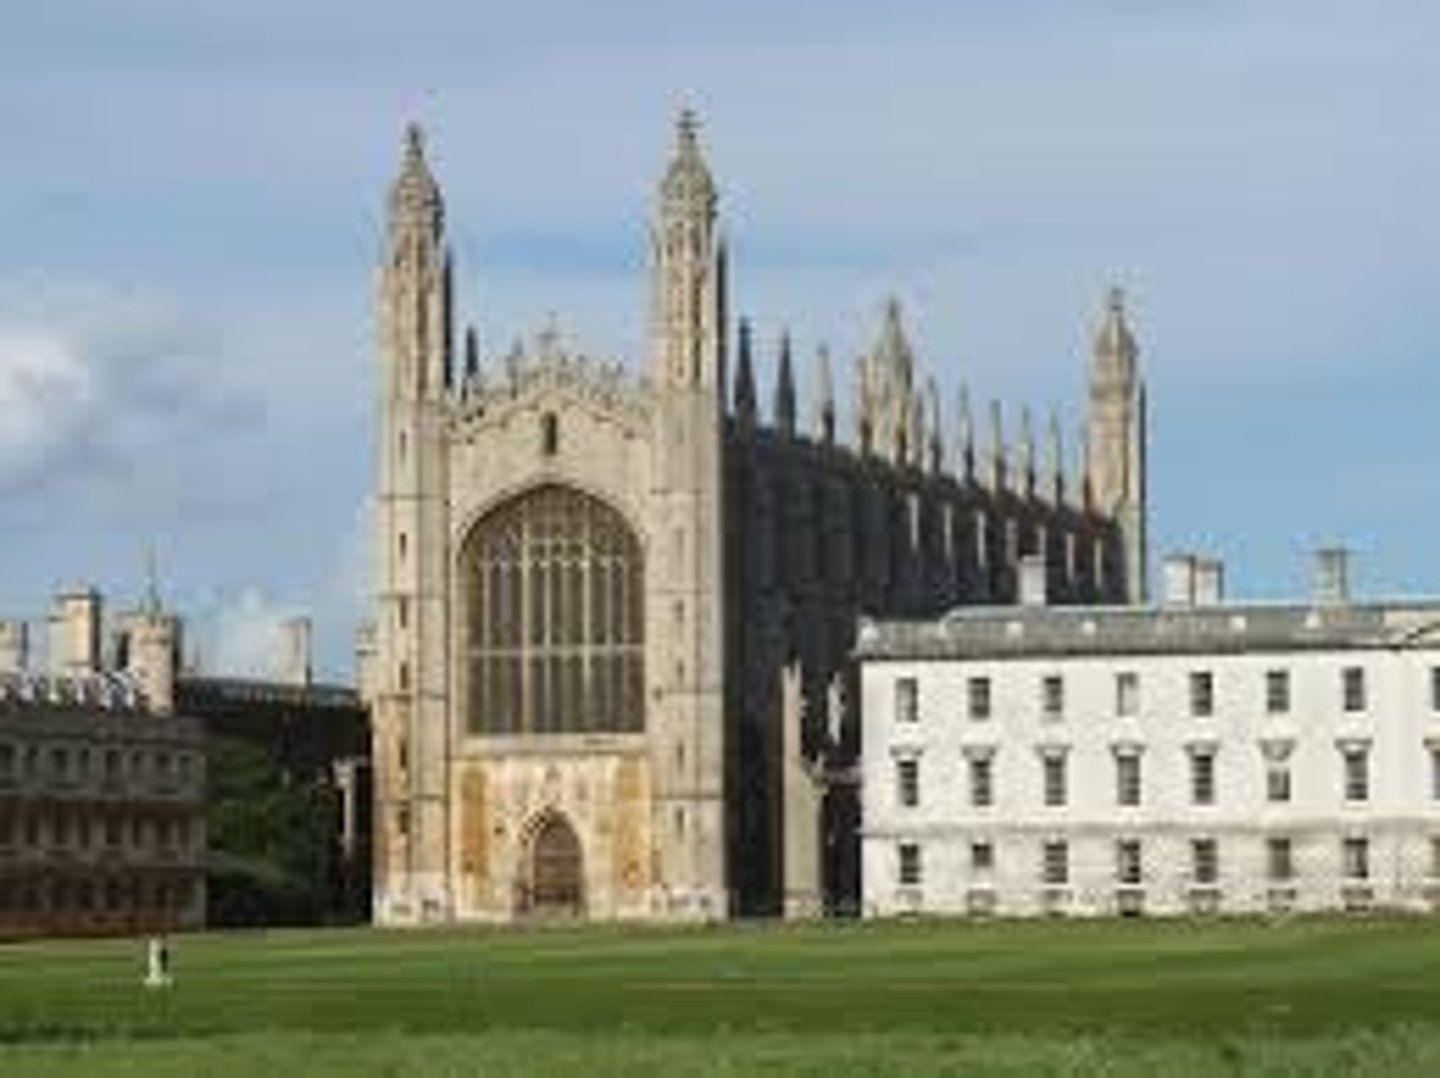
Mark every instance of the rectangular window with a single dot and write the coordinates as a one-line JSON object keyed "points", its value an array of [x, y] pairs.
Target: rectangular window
{"points": [[1055, 863], [1435, 857], [1054, 780], [7, 762], [907, 782], [1355, 858], [1353, 681], [1435, 774], [1202, 694], [1277, 783], [1129, 869], [982, 857], [1277, 692], [1435, 688], [978, 691], [1052, 696], [1127, 779], [911, 869], [982, 786], [1279, 860], [1202, 778], [907, 699], [1127, 693], [1357, 774], [1204, 860]]}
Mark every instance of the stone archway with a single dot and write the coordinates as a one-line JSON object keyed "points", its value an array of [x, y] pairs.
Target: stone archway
{"points": [[554, 875]]}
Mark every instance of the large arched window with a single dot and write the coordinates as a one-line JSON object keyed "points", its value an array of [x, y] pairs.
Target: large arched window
{"points": [[555, 626]]}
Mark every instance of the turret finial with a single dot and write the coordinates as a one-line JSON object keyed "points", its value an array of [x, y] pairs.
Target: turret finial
{"points": [[1115, 348], [414, 142], [415, 196], [687, 181]]}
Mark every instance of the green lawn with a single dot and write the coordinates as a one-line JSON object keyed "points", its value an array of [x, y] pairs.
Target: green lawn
{"points": [[1342, 996]]}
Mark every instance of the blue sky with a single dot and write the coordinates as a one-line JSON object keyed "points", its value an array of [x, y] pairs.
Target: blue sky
{"points": [[190, 202]]}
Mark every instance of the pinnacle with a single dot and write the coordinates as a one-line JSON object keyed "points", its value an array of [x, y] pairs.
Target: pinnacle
{"points": [[414, 142], [686, 129], [687, 179]]}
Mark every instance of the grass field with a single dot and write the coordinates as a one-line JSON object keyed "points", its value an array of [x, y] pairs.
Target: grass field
{"points": [[1332, 996]]}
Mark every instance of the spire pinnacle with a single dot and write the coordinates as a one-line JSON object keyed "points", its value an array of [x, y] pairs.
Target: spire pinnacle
{"points": [[472, 354], [935, 445], [997, 448], [1055, 459], [785, 389], [1025, 453], [744, 378], [964, 435]]}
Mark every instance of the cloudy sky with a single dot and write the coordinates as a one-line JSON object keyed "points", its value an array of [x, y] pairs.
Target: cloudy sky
{"points": [[190, 200]]}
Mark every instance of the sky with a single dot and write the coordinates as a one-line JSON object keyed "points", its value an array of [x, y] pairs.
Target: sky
{"points": [[192, 196]]}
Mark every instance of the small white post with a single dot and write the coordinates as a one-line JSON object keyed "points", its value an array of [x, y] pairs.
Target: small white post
{"points": [[157, 963]]}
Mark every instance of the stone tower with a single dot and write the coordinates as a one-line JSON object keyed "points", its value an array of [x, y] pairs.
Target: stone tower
{"points": [[410, 717], [687, 372], [1116, 461]]}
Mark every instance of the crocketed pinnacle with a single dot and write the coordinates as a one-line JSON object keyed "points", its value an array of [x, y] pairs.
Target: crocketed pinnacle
{"points": [[1115, 348], [415, 196], [688, 183]]}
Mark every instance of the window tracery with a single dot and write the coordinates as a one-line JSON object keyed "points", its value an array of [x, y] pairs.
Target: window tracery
{"points": [[553, 583]]}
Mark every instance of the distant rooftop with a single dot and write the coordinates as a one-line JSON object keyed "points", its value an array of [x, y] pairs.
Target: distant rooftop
{"points": [[105, 691], [1023, 631]]}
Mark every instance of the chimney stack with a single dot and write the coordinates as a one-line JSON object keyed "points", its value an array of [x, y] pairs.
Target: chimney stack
{"points": [[75, 632], [1033, 583], [295, 653], [1332, 576], [14, 647]]}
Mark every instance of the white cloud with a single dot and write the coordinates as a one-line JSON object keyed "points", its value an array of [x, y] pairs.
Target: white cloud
{"points": [[243, 636], [46, 390], [100, 388]]}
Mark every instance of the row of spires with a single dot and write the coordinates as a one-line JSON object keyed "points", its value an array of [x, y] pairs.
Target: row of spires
{"points": [[921, 443]]}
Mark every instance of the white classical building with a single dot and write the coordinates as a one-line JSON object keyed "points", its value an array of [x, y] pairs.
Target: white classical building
{"points": [[1194, 756]]}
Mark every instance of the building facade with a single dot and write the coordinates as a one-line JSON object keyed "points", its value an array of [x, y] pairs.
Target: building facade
{"points": [[102, 815], [614, 610], [289, 738], [1192, 757]]}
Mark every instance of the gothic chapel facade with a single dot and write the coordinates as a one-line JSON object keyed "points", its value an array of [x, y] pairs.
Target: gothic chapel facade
{"points": [[614, 612]]}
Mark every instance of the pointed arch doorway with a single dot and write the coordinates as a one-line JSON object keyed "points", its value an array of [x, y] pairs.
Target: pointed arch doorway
{"points": [[554, 874]]}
